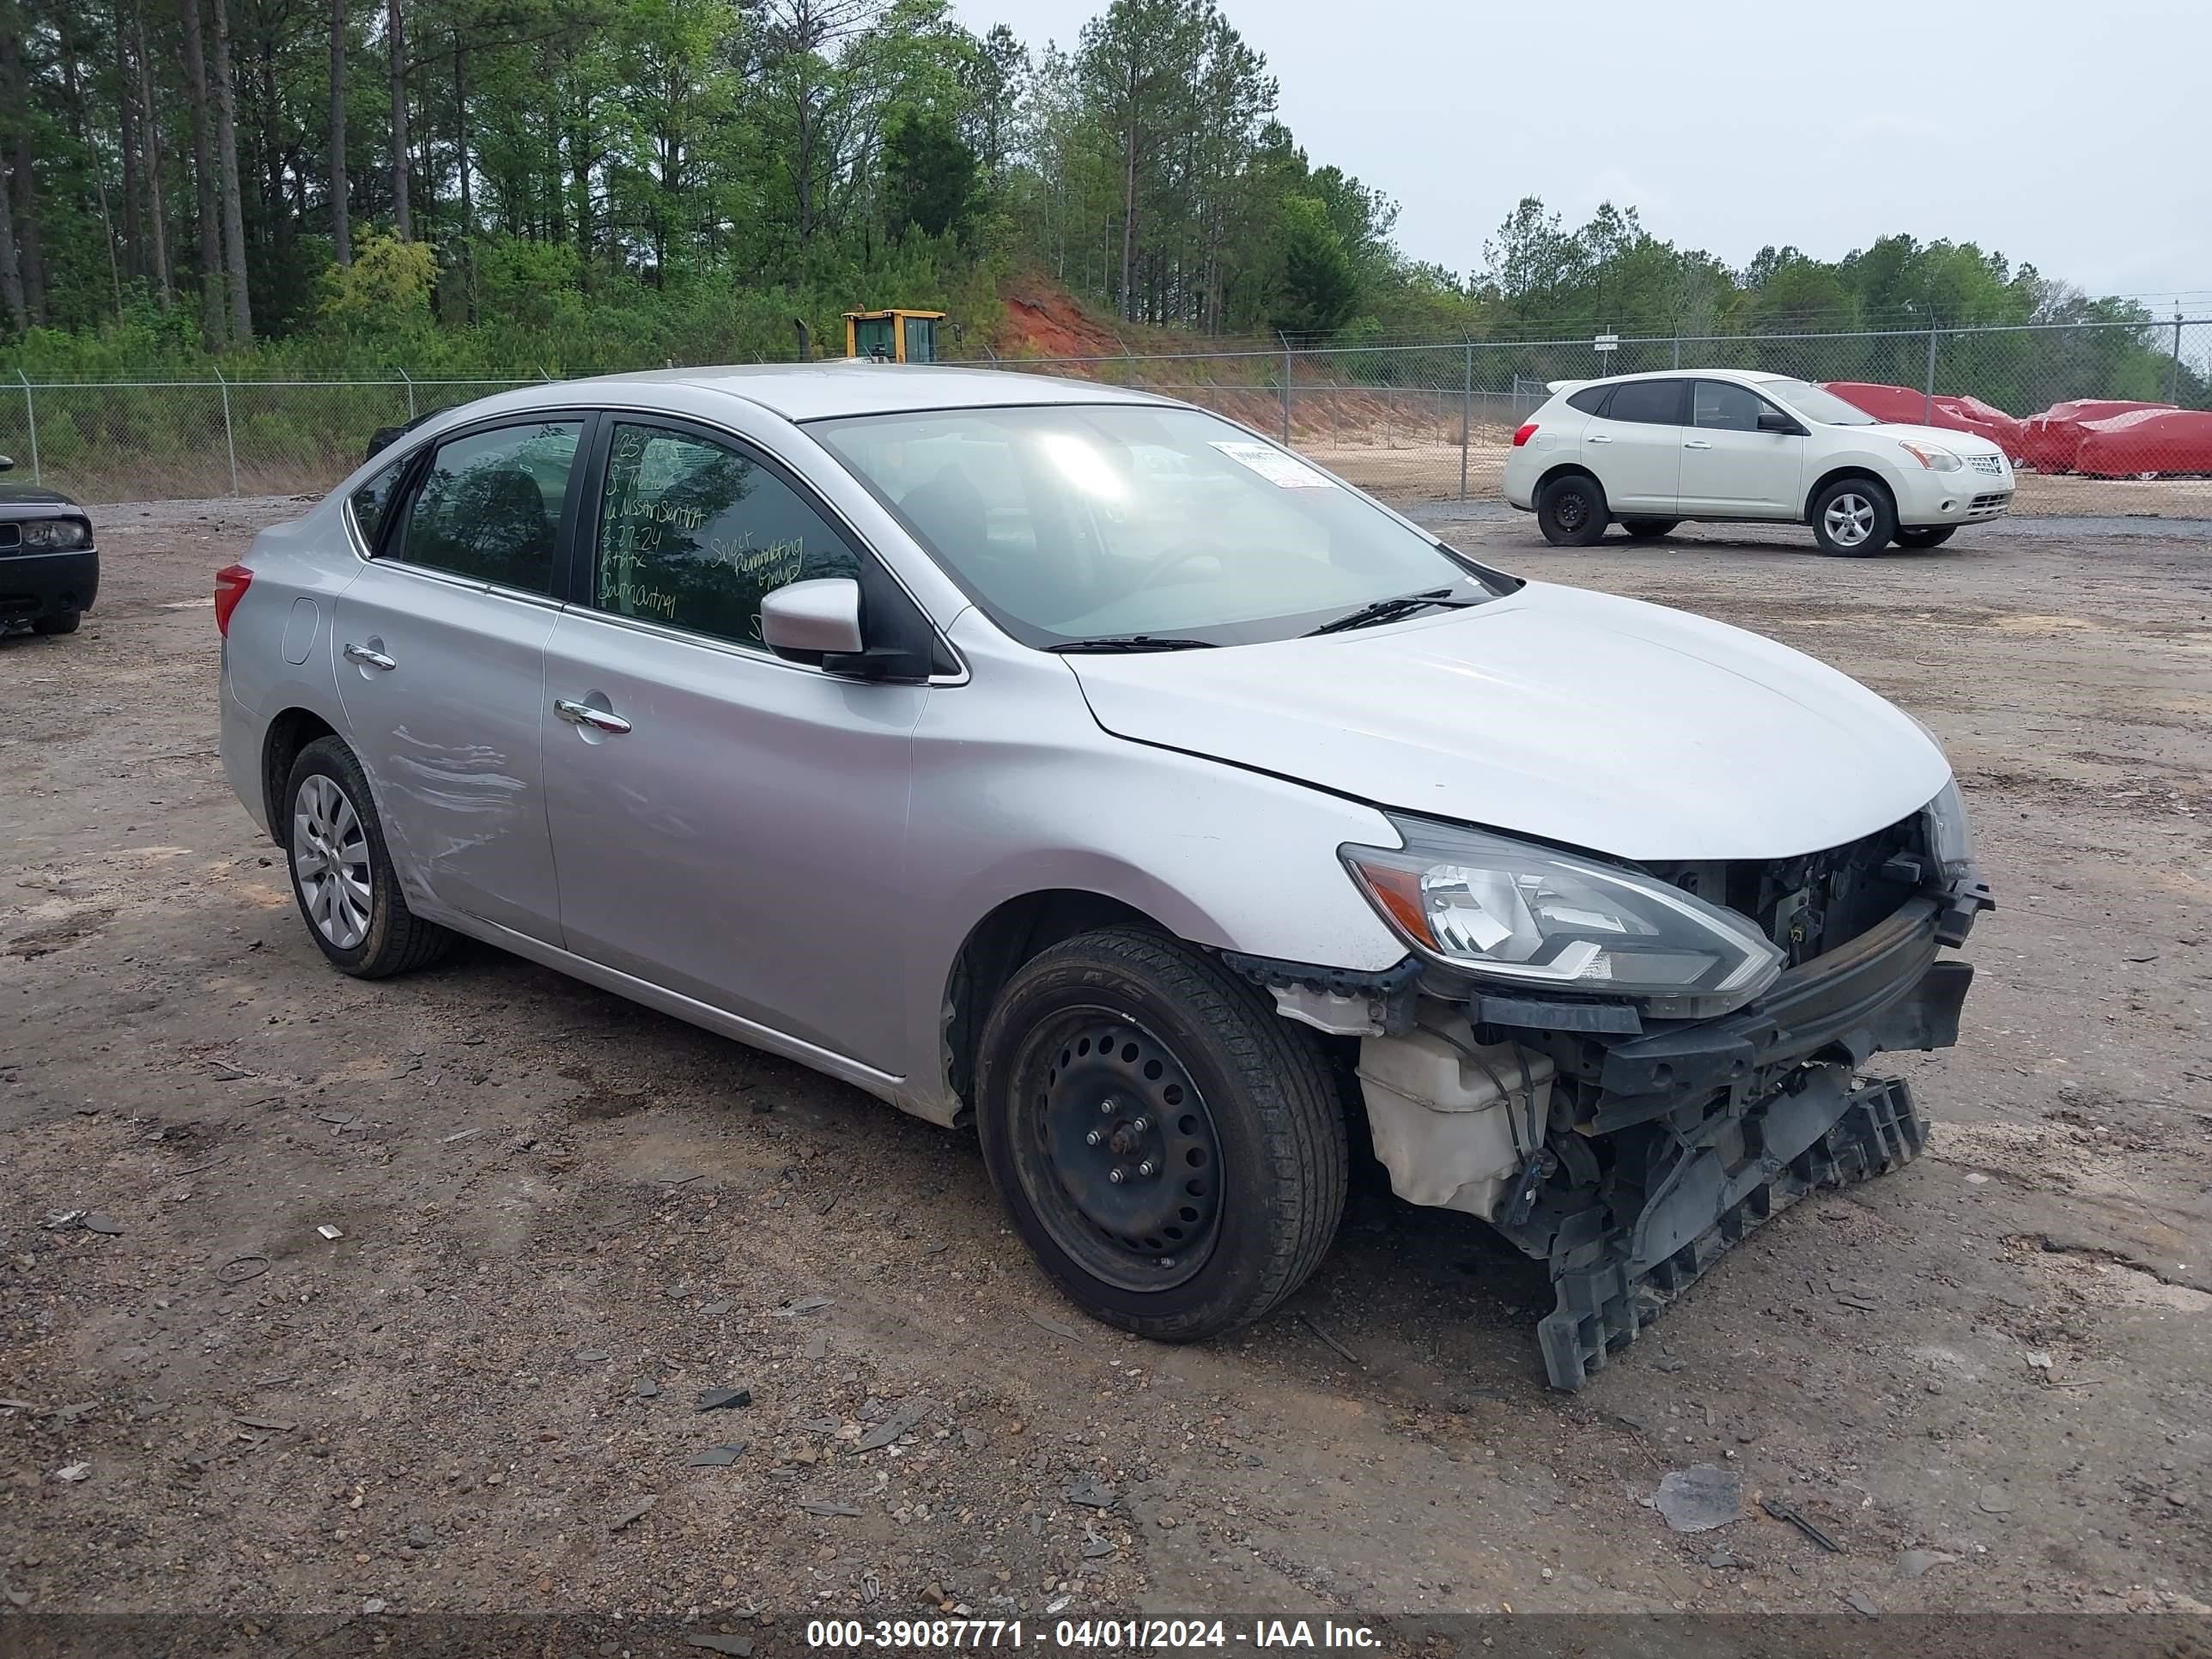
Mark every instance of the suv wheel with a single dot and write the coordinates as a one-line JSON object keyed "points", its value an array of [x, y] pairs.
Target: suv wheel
{"points": [[341, 875], [61, 622], [1170, 1149], [1923, 537], [1853, 518], [1570, 510], [1645, 530]]}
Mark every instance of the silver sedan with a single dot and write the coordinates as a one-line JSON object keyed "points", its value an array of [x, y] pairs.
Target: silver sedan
{"points": [[1084, 766]]}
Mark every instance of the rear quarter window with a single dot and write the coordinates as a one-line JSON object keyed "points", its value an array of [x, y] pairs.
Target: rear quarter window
{"points": [[1591, 399]]}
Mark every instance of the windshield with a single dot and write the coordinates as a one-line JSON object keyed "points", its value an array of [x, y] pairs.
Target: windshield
{"points": [[1109, 522], [1816, 403]]}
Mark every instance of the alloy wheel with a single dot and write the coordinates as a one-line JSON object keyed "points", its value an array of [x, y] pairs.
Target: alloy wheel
{"points": [[330, 860], [1848, 519]]}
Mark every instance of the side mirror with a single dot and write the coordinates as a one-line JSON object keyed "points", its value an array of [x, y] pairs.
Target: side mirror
{"points": [[1774, 420], [7, 464], [809, 620]]}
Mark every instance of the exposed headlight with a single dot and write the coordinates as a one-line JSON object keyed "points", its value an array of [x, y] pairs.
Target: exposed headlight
{"points": [[57, 535], [1545, 921], [1949, 836], [1935, 460]]}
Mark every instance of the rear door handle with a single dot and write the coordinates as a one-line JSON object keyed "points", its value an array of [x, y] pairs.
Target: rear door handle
{"points": [[1696, 443], [582, 713], [367, 657], [1600, 438]]}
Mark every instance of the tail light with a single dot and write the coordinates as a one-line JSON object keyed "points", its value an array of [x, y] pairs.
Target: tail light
{"points": [[230, 585], [1528, 431]]}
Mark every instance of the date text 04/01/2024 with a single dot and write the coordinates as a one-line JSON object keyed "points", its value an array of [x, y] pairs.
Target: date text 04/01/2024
{"points": [[1108, 1635]]}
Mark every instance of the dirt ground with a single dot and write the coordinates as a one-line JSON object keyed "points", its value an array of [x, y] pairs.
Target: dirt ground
{"points": [[403, 1295]]}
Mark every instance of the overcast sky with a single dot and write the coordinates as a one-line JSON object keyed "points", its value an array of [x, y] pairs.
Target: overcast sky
{"points": [[2075, 135]]}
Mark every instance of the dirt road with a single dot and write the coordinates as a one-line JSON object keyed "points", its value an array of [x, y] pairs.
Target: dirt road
{"points": [[412, 1289]]}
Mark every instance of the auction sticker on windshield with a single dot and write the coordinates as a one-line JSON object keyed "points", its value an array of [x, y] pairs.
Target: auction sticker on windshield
{"points": [[1284, 471]]}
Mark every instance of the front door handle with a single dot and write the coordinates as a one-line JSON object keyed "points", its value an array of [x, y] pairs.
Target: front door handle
{"points": [[1696, 443], [1600, 438], [367, 657], [582, 713]]}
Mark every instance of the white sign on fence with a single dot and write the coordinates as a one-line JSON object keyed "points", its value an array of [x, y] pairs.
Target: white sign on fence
{"points": [[1607, 342]]}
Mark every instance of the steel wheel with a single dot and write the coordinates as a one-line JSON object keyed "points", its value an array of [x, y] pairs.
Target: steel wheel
{"points": [[1850, 518], [330, 857], [1119, 1153]]}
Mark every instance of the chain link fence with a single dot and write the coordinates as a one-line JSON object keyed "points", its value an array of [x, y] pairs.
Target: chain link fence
{"points": [[2102, 419]]}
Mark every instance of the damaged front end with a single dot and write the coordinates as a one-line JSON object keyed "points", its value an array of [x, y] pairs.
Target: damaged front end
{"points": [[1628, 1148]]}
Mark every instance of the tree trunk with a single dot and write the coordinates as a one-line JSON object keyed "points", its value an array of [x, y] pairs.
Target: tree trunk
{"points": [[395, 40], [11, 269], [461, 166], [23, 209], [341, 233], [204, 175], [126, 124], [1129, 204], [234, 210], [157, 213]]}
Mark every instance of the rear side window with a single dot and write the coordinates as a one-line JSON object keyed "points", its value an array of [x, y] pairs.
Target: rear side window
{"points": [[1720, 407], [1647, 403], [489, 505], [1591, 399], [371, 503], [692, 533]]}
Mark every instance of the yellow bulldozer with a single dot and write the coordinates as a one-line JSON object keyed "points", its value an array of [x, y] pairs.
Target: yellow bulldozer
{"points": [[897, 336]]}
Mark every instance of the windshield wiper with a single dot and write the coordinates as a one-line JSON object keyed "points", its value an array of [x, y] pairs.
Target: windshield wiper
{"points": [[1391, 610], [1106, 642]]}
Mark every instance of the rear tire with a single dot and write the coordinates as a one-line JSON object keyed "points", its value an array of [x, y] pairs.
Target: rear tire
{"points": [[1570, 510], [1232, 1107], [341, 875], [1922, 537], [1853, 518], [64, 623], [1646, 529]]}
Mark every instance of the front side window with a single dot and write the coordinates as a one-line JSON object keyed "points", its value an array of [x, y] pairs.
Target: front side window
{"points": [[1819, 404], [692, 533], [372, 502], [1647, 403], [1720, 406], [489, 506], [1093, 522]]}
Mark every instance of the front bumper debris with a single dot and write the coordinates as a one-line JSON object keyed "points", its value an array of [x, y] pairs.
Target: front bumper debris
{"points": [[1710, 1127]]}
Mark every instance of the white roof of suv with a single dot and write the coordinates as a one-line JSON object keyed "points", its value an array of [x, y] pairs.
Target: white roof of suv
{"points": [[1742, 376]]}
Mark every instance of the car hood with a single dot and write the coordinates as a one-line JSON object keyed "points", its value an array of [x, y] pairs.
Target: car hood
{"points": [[1957, 439], [1575, 717], [24, 495]]}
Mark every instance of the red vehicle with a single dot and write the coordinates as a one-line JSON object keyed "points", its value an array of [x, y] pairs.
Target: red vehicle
{"points": [[1955, 413], [2052, 438], [2160, 441]]}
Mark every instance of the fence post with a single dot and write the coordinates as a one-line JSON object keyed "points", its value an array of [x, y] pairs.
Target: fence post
{"points": [[1678, 349], [31, 412], [2174, 395], [229, 441], [1466, 414], [410, 378], [1928, 398], [1286, 339]]}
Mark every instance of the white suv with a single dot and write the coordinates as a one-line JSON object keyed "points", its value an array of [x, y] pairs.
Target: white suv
{"points": [[1648, 450]]}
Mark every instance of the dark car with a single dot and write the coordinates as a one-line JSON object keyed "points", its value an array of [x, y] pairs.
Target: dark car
{"points": [[49, 569]]}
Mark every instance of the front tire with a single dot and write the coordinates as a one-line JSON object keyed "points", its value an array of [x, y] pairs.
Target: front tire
{"points": [[1853, 518], [64, 622], [1920, 537], [1121, 1050], [1570, 510], [1647, 530], [341, 875]]}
